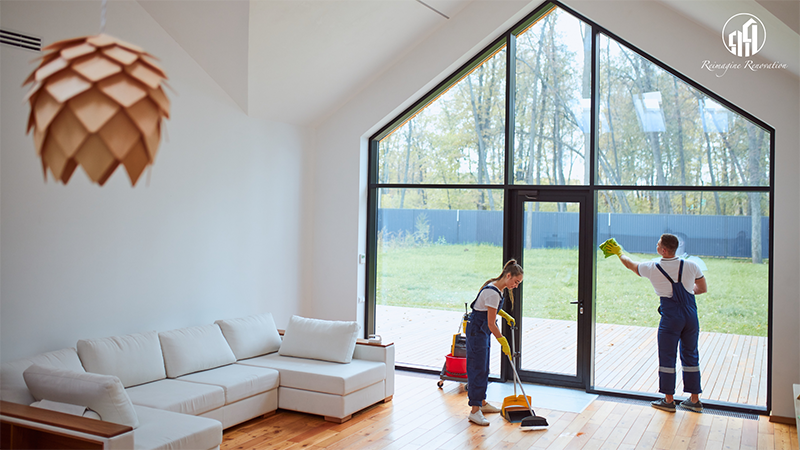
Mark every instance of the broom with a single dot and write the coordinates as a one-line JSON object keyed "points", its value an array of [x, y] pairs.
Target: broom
{"points": [[515, 408], [529, 422]]}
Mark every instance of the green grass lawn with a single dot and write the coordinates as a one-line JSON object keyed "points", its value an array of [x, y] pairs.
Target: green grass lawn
{"points": [[442, 276]]}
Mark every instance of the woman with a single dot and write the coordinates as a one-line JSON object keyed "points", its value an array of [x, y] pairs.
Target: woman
{"points": [[481, 326]]}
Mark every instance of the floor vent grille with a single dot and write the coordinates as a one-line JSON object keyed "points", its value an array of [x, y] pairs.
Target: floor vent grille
{"points": [[710, 411], [20, 40]]}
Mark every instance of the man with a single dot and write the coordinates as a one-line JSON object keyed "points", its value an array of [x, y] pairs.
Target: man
{"points": [[676, 281]]}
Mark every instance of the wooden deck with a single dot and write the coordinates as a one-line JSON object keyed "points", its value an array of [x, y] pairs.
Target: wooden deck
{"points": [[733, 367]]}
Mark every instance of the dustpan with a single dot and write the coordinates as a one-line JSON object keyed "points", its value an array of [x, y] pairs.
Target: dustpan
{"points": [[515, 408]]}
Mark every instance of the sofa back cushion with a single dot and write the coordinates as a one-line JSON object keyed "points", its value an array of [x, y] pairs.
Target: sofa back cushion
{"points": [[192, 349], [251, 336], [12, 384], [103, 394], [134, 358], [327, 340]]}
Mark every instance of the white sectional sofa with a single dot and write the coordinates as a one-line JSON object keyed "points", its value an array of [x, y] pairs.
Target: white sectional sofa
{"points": [[179, 389]]}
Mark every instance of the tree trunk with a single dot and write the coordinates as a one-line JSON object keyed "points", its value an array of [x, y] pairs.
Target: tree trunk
{"points": [[681, 160], [711, 173], [409, 132], [477, 114], [586, 92], [754, 136], [614, 172]]}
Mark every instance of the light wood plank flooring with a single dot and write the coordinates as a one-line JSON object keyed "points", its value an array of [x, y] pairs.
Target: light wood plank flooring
{"points": [[733, 367], [421, 416]]}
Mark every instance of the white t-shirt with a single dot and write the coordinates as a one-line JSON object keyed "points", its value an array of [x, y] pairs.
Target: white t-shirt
{"points": [[488, 297], [662, 286]]}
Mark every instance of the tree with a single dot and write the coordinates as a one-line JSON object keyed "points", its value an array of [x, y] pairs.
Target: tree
{"points": [[755, 138]]}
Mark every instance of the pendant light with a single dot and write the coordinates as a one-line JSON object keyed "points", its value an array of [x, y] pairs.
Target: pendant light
{"points": [[96, 102]]}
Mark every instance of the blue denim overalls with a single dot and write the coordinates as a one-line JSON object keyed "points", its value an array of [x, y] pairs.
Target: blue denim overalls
{"points": [[478, 339], [678, 324]]}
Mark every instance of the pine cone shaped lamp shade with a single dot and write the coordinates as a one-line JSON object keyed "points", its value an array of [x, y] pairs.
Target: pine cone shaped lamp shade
{"points": [[97, 102]]}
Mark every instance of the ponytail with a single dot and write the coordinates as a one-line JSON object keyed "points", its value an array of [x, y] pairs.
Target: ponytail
{"points": [[511, 267]]}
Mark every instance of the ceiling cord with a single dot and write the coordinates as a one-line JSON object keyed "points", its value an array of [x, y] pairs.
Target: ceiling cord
{"points": [[103, 17], [429, 7]]}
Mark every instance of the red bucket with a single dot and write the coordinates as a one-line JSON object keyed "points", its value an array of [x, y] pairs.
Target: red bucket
{"points": [[456, 366]]}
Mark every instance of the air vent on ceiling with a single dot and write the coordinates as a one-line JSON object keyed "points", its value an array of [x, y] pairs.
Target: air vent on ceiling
{"points": [[21, 40]]}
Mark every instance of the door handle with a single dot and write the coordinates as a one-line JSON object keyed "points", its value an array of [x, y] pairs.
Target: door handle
{"points": [[575, 303], [532, 195]]}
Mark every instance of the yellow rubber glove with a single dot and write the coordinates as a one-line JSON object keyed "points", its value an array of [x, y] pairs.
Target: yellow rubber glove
{"points": [[611, 247], [509, 320], [504, 345]]}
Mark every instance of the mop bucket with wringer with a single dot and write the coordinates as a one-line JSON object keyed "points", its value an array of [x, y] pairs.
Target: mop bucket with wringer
{"points": [[455, 363]]}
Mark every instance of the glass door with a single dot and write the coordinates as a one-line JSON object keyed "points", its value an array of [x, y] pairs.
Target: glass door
{"points": [[553, 304]]}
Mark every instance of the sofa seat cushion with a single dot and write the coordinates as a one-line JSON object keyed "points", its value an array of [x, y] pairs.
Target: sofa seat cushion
{"points": [[165, 430], [178, 396], [238, 381], [322, 376]]}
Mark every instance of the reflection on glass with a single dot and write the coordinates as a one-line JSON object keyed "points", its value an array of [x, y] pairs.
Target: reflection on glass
{"points": [[727, 235], [553, 108], [459, 138], [656, 130], [433, 255]]}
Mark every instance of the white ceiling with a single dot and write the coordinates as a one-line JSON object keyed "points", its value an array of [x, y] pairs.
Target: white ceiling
{"points": [[297, 61]]}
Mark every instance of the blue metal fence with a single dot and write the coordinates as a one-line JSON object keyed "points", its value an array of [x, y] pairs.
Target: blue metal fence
{"points": [[451, 226], [718, 236]]}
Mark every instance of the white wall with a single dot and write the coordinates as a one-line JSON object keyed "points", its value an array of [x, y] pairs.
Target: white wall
{"points": [[212, 232], [340, 151]]}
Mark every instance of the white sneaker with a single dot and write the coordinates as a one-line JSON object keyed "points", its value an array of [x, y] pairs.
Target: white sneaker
{"points": [[488, 408], [478, 419]]}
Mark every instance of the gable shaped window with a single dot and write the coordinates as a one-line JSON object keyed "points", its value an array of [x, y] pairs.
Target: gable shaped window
{"points": [[488, 166]]}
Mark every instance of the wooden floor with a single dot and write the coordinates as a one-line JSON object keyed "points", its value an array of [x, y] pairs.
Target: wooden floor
{"points": [[424, 417], [733, 367]]}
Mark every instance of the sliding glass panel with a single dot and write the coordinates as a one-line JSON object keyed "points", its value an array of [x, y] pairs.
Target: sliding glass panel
{"points": [[656, 130], [553, 89], [433, 254], [731, 247], [458, 138]]}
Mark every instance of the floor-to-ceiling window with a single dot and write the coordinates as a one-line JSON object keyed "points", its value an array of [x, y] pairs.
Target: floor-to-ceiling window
{"points": [[439, 210], [707, 172], [554, 138]]}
